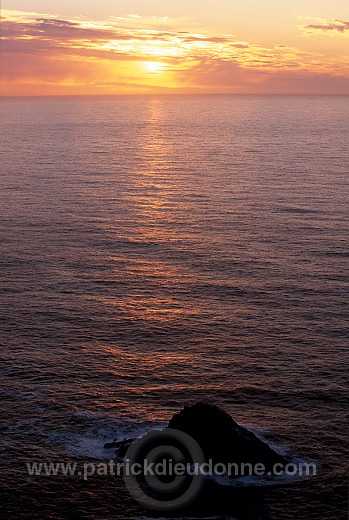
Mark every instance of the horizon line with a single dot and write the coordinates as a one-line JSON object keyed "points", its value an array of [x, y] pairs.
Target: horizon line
{"points": [[149, 94]]}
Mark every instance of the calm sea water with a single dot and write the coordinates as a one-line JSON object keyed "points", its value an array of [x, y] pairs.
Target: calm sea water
{"points": [[158, 251]]}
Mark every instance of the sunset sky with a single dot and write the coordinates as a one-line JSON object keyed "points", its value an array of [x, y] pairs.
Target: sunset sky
{"points": [[187, 46]]}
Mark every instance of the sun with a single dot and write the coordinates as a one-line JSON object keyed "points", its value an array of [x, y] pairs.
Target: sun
{"points": [[154, 66]]}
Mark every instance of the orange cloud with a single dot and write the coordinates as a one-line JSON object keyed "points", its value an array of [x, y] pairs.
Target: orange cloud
{"points": [[333, 26], [229, 76], [42, 54]]}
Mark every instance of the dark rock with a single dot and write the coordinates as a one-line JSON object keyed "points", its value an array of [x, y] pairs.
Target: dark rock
{"points": [[120, 447], [222, 439]]}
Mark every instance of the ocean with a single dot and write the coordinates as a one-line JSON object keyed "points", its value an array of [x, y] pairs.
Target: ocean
{"points": [[157, 251]]}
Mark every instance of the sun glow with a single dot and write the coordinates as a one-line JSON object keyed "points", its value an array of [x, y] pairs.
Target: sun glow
{"points": [[42, 54], [154, 66]]}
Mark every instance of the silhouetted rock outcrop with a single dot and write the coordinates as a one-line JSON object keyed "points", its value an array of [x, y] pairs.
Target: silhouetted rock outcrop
{"points": [[221, 439]]}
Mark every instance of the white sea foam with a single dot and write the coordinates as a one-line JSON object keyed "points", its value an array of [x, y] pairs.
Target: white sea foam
{"points": [[90, 442]]}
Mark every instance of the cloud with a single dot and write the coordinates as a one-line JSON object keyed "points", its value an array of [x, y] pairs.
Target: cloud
{"points": [[60, 30], [230, 77], [213, 39], [331, 26], [240, 45], [110, 39], [44, 50]]}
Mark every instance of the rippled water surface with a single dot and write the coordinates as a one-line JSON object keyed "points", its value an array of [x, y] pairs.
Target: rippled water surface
{"points": [[157, 251]]}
